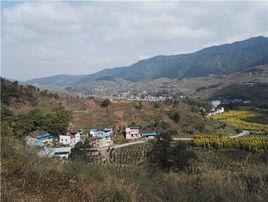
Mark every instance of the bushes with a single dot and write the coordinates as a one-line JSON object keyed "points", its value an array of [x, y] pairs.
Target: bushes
{"points": [[27, 179], [175, 116], [55, 123], [156, 105], [138, 105], [105, 103]]}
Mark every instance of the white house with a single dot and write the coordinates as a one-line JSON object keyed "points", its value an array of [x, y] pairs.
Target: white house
{"points": [[133, 132], [70, 139], [93, 132], [215, 103], [216, 111]]}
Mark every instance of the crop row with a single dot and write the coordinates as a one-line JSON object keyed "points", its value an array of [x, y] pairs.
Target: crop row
{"points": [[236, 119], [247, 143]]}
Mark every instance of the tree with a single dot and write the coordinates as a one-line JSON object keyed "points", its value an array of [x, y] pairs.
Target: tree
{"points": [[160, 154], [138, 105], [175, 116], [105, 103]]}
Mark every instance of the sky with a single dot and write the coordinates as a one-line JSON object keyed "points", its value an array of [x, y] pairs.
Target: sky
{"points": [[44, 38]]}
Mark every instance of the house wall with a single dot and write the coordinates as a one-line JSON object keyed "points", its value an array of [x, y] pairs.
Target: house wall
{"points": [[104, 142], [132, 133], [65, 139]]}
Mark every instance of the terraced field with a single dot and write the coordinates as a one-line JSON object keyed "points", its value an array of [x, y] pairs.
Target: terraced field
{"points": [[135, 154], [242, 119], [228, 159], [206, 159]]}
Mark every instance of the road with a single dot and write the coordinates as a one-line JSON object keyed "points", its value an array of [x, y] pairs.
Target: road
{"points": [[116, 146], [243, 133]]}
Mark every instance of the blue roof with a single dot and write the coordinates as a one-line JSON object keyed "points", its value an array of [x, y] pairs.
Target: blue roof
{"points": [[37, 144], [94, 129], [104, 135], [134, 127], [150, 134], [43, 136], [107, 129]]}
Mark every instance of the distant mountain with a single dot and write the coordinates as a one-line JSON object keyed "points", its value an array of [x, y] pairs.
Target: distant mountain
{"points": [[218, 60], [56, 81]]}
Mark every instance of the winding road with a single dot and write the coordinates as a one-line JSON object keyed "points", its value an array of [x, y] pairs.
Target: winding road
{"points": [[116, 146]]}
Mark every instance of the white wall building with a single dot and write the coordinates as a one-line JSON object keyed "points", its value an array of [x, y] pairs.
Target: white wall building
{"points": [[217, 111], [70, 139]]}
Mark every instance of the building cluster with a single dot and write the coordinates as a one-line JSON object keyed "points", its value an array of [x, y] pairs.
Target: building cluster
{"points": [[102, 137], [235, 101], [133, 132], [216, 108], [50, 146]]}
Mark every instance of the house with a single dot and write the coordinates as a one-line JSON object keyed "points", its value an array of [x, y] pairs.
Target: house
{"points": [[215, 111], [133, 132], [108, 130], [70, 139], [150, 134], [60, 152], [93, 131], [215, 103], [39, 139], [103, 140]]}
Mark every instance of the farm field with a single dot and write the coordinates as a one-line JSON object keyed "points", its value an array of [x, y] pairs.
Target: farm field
{"points": [[234, 159], [242, 119]]}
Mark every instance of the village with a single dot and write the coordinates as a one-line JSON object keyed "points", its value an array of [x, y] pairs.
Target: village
{"points": [[48, 145], [61, 147]]}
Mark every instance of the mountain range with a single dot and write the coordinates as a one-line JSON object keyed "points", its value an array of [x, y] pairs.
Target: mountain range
{"points": [[216, 60]]}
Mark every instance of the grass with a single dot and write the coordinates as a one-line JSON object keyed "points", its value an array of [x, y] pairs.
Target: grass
{"points": [[218, 175]]}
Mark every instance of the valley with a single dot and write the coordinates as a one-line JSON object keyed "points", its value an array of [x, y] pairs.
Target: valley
{"points": [[197, 135]]}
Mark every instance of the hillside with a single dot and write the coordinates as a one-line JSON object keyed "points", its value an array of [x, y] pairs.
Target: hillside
{"points": [[26, 108], [156, 171], [57, 81], [218, 60]]}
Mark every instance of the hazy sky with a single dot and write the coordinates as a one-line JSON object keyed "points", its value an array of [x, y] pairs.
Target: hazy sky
{"points": [[43, 38]]}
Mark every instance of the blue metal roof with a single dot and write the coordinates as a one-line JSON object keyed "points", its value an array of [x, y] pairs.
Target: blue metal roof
{"points": [[134, 127], [94, 129], [107, 129], [44, 136], [150, 134], [37, 144], [104, 135]]}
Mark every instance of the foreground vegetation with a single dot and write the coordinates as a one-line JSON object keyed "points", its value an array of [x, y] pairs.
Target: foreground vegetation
{"points": [[219, 176]]}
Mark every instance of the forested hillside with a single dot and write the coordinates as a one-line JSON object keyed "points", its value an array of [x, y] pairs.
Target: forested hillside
{"points": [[27, 108], [222, 59]]}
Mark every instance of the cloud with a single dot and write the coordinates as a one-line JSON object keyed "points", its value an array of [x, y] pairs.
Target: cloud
{"points": [[47, 38]]}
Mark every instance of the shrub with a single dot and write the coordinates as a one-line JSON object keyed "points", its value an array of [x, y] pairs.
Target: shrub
{"points": [[175, 116], [105, 103]]}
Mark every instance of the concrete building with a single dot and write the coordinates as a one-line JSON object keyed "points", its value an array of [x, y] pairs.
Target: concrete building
{"points": [[70, 139], [39, 139], [133, 132]]}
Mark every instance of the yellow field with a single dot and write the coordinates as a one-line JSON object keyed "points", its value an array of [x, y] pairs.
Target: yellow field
{"points": [[247, 143], [235, 119]]}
